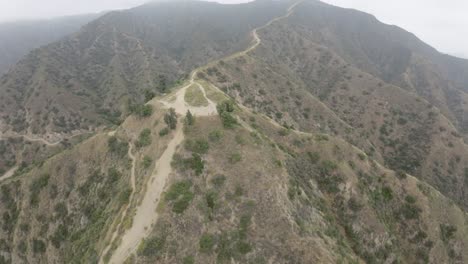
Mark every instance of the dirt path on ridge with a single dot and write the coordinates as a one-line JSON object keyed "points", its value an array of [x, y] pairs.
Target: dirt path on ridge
{"points": [[146, 213]]}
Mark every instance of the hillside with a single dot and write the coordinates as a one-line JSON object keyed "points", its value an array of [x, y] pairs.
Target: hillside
{"points": [[90, 78], [391, 54], [19, 38], [241, 187], [274, 146], [309, 86]]}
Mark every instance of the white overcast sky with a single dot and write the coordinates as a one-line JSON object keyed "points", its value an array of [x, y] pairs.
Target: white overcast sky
{"points": [[441, 23]]}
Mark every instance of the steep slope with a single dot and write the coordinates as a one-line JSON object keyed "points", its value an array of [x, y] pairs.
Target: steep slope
{"points": [[262, 197], [61, 210], [391, 54], [19, 38], [91, 77], [56, 211], [250, 193], [299, 82], [97, 76]]}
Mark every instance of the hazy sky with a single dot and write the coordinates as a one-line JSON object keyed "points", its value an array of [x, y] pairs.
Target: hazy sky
{"points": [[441, 23], [26, 9]]}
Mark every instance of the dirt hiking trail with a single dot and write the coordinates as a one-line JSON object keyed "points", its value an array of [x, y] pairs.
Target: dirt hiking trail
{"points": [[146, 213]]}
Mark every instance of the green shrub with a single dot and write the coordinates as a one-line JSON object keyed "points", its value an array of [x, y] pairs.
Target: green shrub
{"points": [[178, 189], [53, 191], [387, 193], [61, 210], [402, 121], [314, 157], [59, 236], [243, 247], [447, 232], [292, 192], [235, 158], [117, 147], [188, 260], [362, 156], [224, 249], [239, 191], [38, 246], [181, 196], [216, 136], [164, 132], [228, 120], [224, 110], [22, 247], [189, 118], [410, 211], [410, 199], [284, 132], [149, 95], [207, 242], [239, 139], [124, 196], [329, 179], [210, 198], [147, 161], [199, 146], [195, 163], [182, 204], [24, 228], [354, 205], [142, 110], [400, 174], [113, 175], [40, 183], [244, 224], [218, 180], [321, 137], [152, 246], [144, 139], [36, 186], [327, 167], [226, 106], [171, 119]]}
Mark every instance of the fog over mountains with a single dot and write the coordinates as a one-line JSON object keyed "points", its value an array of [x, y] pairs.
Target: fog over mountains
{"points": [[286, 131]]}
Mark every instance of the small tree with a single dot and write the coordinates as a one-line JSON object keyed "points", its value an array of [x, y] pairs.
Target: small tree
{"points": [[189, 118], [171, 119], [141, 110], [149, 95], [224, 110], [144, 139], [162, 83]]}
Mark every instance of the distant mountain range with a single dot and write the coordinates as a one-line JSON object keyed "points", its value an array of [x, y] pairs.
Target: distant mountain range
{"points": [[19, 38]]}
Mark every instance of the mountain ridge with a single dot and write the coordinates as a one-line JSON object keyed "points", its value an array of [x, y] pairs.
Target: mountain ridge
{"points": [[21, 37], [246, 185]]}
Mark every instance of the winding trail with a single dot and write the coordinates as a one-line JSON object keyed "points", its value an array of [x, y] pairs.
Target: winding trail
{"points": [[146, 214], [39, 139], [257, 40], [181, 106], [3, 136], [9, 174]]}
